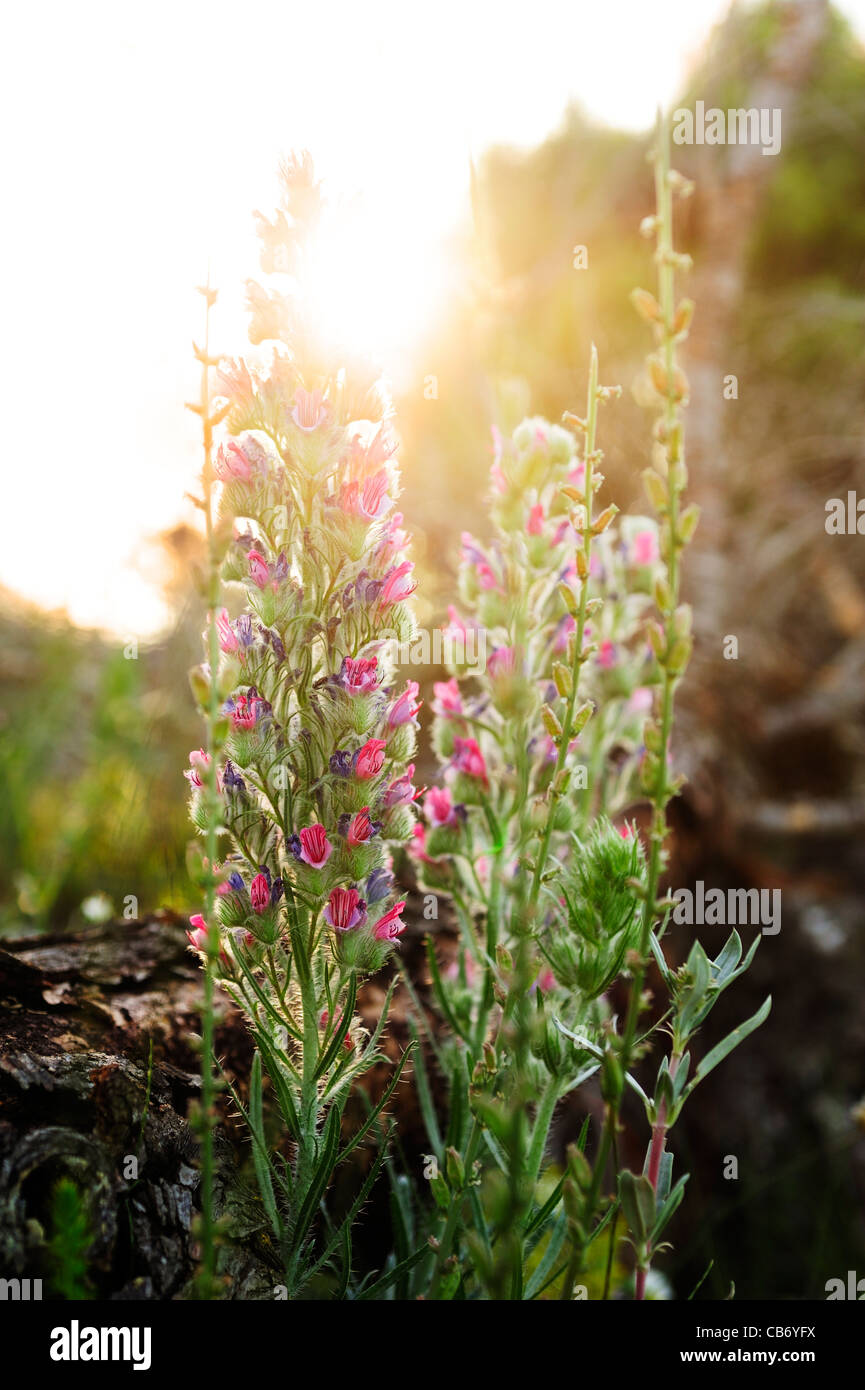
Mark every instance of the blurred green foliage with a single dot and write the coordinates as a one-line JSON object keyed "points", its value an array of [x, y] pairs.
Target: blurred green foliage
{"points": [[93, 741]]}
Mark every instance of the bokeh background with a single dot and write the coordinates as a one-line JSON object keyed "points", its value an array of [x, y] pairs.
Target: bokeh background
{"points": [[466, 155]]}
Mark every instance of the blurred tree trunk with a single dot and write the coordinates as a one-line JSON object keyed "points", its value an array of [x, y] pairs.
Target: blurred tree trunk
{"points": [[730, 189]]}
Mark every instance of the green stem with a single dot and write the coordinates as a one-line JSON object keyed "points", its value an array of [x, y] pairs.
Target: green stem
{"points": [[541, 1129], [556, 788], [453, 1214]]}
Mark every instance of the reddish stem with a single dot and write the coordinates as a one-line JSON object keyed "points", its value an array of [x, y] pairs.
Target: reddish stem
{"points": [[656, 1153]]}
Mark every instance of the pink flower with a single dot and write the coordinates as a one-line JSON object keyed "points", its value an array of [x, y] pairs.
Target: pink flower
{"points": [[389, 927], [359, 828], [439, 807], [607, 657], [374, 502], [227, 639], [469, 759], [345, 909], [259, 569], [245, 711], [501, 662], [382, 447], [452, 971], [232, 463], [259, 894], [644, 548], [405, 707], [398, 584], [625, 831], [393, 542], [640, 701], [369, 760], [546, 981], [196, 773], [359, 675], [368, 499], [418, 845], [197, 938], [535, 523], [401, 792], [360, 460], [315, 848], [448, 701], [309, 410]]}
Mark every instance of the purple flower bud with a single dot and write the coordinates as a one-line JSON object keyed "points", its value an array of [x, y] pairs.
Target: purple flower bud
{"points": [[366, 589], [378, 885], [243, 630], [340, 763], [232, 779]]}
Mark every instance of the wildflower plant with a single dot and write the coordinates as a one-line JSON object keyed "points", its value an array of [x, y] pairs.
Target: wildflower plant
{"points": [[310, 743], [307, 782], [556, 893]]}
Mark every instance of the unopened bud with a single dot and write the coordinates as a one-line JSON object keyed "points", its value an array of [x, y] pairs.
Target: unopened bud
{"points": [[646, 305]]}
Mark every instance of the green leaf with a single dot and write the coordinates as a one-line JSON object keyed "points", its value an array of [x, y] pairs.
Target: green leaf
{"points": [[348, 1221], [441, 993], [260, 1153], [666, 973], [459, 1103], [668, 1208], [728, 958], [287, 1107], [325, 1162], [604, 1221], [635, 1086], [449, 1285], [361, 1133], [394, 1275], [638, 1203], [424, 1095], [732, 1040], [382, 1020], [665, 1175], [551, 1254], [543, 1214], [341, 1031]]}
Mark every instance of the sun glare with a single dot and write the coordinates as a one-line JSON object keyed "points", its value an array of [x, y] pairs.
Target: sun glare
{"points": [[374, 284]]}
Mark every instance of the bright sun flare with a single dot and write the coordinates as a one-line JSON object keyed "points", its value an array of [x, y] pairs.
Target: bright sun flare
{"points": [[374, 284]]}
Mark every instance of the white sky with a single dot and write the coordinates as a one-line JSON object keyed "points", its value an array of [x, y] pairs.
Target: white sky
{"points": [[138, 141]]}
